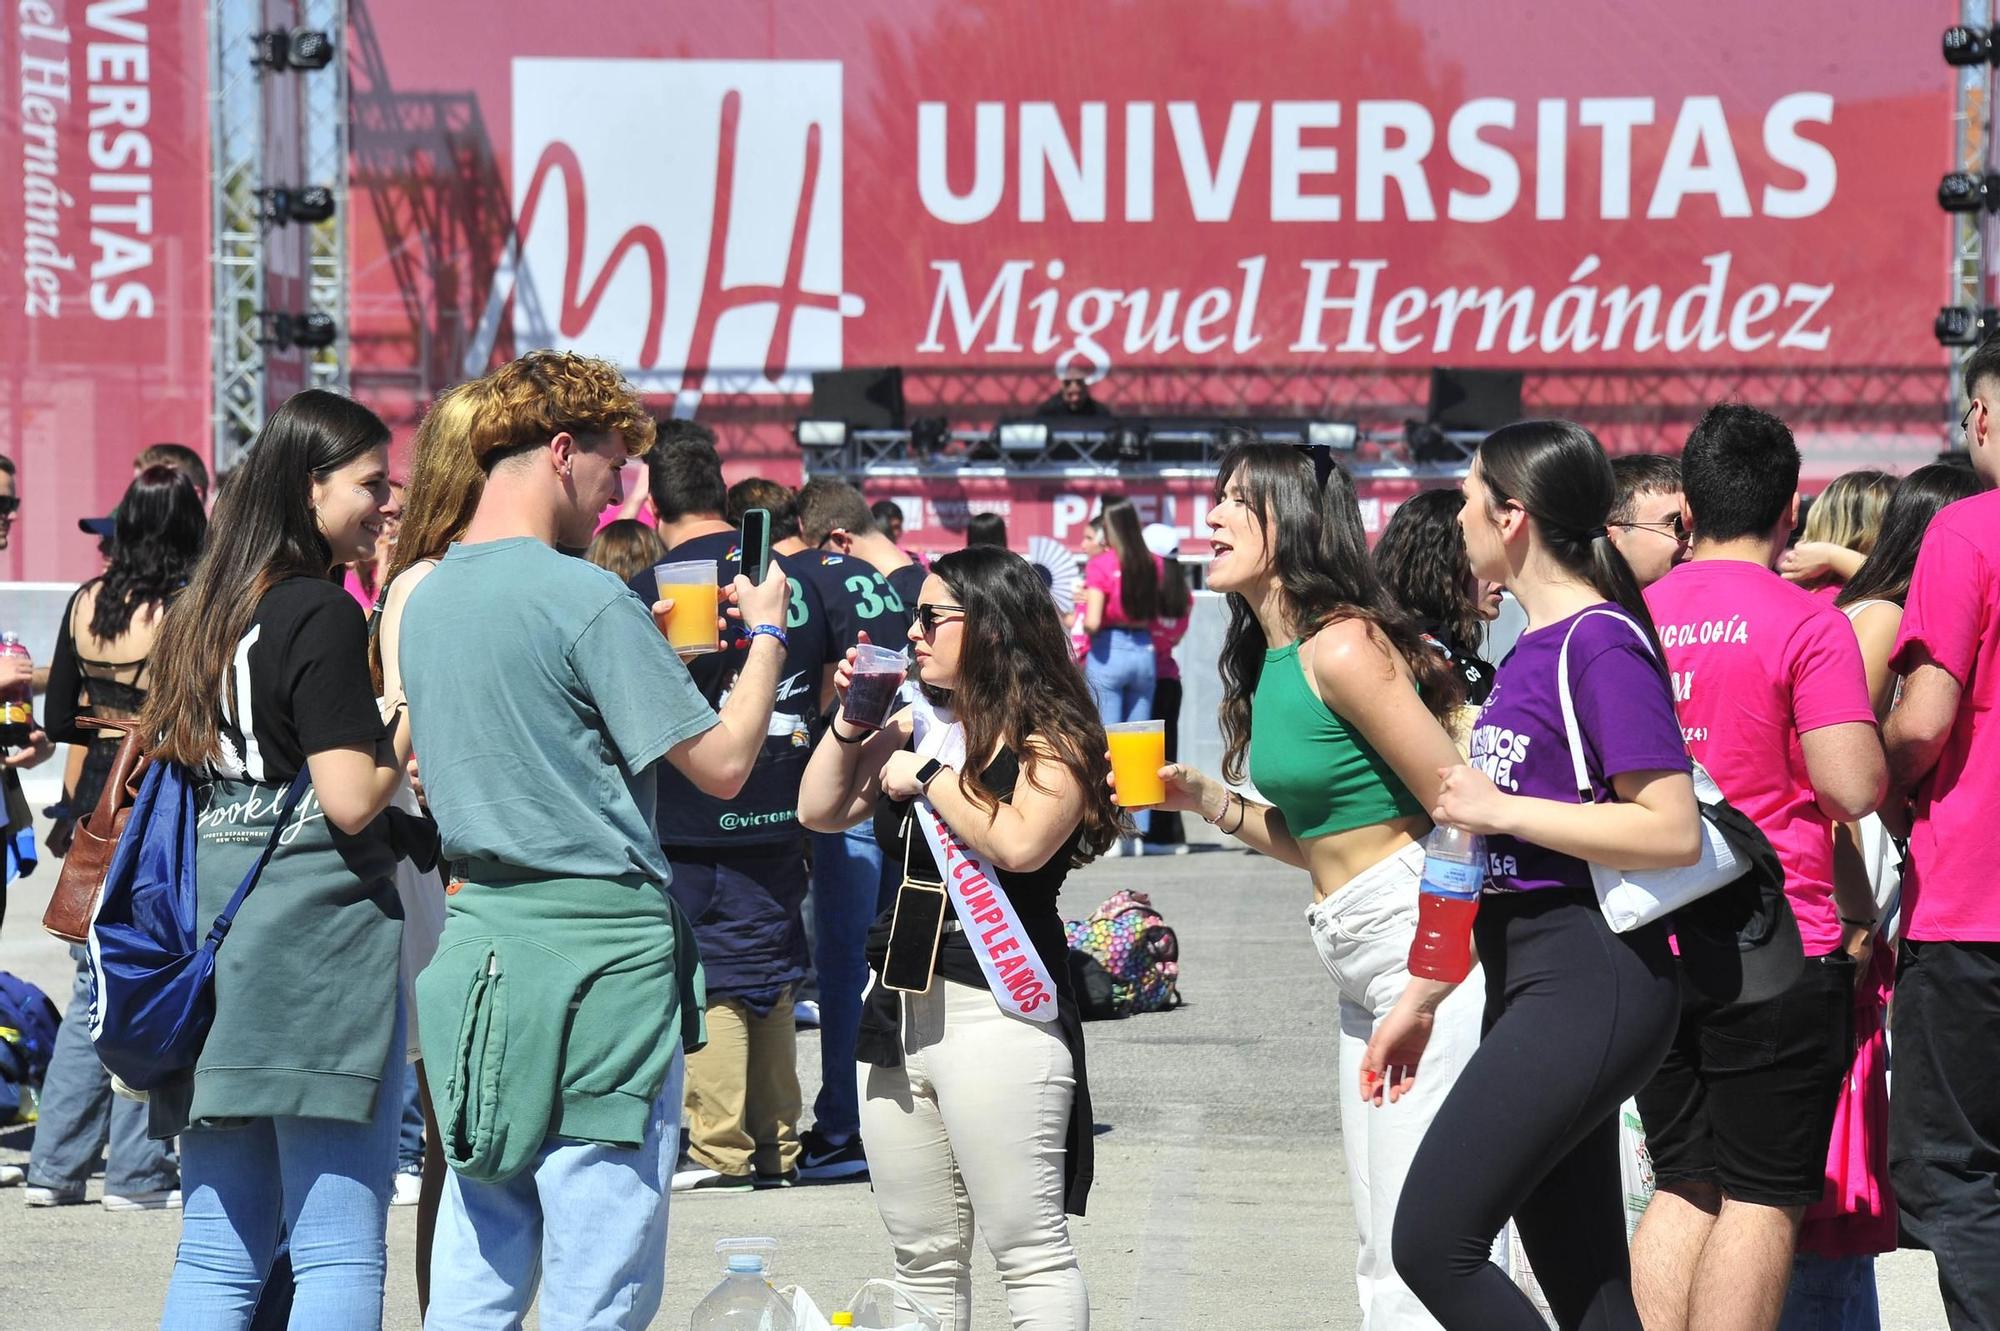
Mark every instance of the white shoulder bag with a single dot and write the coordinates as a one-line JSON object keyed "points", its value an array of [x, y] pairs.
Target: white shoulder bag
{"points": [[1630, 898]]}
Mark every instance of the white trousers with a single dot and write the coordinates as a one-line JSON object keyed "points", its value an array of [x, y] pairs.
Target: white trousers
{"points": [[975, 1122], [1363, 933]]}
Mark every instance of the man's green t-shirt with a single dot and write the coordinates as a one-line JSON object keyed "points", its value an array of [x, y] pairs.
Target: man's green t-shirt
{"points": [[541, 696]]}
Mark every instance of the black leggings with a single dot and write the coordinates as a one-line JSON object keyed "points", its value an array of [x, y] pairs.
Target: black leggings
{"points": [[1577, 1019]]}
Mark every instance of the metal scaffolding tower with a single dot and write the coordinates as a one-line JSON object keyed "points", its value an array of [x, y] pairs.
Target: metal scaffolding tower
{"points": [[278, 128]]}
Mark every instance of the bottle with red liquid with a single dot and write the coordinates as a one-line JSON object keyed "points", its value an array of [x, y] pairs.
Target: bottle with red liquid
{"points": [[1454, 871], [17, 701]]}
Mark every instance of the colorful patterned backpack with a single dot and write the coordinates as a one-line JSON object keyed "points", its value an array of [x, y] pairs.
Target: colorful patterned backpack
{"points": [[1124, 959]]}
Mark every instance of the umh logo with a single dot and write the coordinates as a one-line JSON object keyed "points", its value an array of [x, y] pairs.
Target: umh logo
{"points": [[680, 218]]}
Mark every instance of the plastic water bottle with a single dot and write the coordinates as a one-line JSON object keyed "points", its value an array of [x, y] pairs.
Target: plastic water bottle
{"points": [[17, 701], [1454, 870], [745, 1300]]}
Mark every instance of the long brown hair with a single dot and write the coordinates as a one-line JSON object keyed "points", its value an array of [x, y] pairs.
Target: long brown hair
{"points": [[445, 485], [1319, 552], [263, 533], [1018, 682], [1422, 562], [1138, 579]]}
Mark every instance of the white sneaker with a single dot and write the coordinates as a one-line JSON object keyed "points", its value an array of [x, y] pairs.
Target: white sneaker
{"points": [[159, 1199], [408, 1188], [12, 1176], [51, 1197], [805, 1014]]}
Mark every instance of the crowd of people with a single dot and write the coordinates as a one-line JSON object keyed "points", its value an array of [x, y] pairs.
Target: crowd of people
{"points": [[604, 880]]}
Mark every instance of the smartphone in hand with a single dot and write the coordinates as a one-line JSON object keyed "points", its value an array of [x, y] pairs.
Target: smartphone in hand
{"points": [[754, 543]]}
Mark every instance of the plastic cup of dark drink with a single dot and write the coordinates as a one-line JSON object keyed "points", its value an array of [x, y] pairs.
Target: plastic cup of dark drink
{"points": [[871, 692]]}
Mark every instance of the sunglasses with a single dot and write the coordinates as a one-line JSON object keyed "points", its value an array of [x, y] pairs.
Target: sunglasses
{"points": [[1324, 464], [1675, 529], [930, 616], [9, 505]]}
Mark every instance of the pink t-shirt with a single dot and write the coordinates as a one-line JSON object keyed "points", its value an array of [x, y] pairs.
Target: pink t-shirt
{"points": [[1103, 573], [1948, 893], [1757, 662], [1167, 634]]}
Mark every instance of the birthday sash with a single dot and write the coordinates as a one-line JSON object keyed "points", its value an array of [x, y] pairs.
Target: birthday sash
{"points": [[1021, 984]]}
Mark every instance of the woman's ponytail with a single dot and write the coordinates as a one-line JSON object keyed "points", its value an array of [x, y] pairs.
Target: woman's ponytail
{"points": [[1558, 472]]}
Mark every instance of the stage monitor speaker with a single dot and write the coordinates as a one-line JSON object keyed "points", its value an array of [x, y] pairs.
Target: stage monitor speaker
{"points": [[1476, 401], [865, 399]]}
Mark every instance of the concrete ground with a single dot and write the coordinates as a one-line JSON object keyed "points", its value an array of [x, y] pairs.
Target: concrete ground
{"points": [[1220, 1199]]}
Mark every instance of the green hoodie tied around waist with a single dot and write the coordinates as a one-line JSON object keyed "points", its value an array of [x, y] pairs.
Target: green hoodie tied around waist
{"points": [[556, 1003]]}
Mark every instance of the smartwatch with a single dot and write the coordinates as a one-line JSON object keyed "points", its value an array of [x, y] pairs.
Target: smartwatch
{"points": [[928, 773]]}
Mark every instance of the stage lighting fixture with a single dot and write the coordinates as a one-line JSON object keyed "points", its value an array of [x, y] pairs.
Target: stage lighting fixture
{"points": [[1427, 443], [1023, 437], [1964, 192], [269, 50], [311, 49], [313, 331], [280, 205], [1967, 46], [1132, 443], [1963, 326], [821, 434], [1339, 436]]}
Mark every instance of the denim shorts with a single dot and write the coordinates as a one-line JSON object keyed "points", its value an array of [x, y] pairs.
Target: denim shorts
{"points": [[1745, 1098]]}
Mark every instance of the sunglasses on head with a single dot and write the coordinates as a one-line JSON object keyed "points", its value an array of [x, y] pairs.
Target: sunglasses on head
{"points": [[1323, 462], [929, 616]]}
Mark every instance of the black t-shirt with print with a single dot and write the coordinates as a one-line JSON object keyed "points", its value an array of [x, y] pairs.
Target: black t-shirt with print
{"points": [[766, 809], [859, 598], [299, 683]]}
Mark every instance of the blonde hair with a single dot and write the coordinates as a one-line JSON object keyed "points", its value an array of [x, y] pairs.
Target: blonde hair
{"points": [[1848, 513], [535, 397], [627, 548], [444, 488]]}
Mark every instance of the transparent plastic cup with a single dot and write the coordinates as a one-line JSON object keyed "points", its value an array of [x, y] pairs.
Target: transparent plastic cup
{"points": [[690, 626], [1138, 752], [871, 694]]}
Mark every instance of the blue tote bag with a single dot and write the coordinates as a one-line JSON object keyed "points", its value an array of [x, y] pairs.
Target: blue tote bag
{"points": [[151, 970]]}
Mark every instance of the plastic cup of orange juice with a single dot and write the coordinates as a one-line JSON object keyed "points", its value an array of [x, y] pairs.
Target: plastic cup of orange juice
{"points": [[1138, 752], [690, 626]]}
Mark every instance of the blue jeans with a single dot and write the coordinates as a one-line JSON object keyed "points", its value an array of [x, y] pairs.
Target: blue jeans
{"points": [[410, 1129], [80, 1115], [592, 1218], [847, 896], [1119, 669], [322, 1183], [1831, 1294]]}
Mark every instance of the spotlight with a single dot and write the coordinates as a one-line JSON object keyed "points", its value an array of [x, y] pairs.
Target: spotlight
{"points": [[301, 48], [1023, 437], [1964, 192], [828, 435], [280, 205], [1133, 443], [311, 49], [1339, 436], [1427, 443], [1967, 46], [269, 49], [1962, 326], [312, 331], [312, 204]]}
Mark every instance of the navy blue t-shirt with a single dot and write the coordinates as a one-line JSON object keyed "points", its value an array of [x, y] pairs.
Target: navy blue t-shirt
{"points": [[857, 597], [766, 810]]}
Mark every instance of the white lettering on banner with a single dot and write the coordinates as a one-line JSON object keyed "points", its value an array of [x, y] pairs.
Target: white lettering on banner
{"points": [[1343, 299], [1392, 142], [120, 98], [709, 257], [45, 95]]}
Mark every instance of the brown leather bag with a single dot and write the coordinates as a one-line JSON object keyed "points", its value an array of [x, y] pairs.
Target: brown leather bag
{"points": [[81, 882]]}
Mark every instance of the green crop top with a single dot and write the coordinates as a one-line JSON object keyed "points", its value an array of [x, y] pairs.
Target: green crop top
{"points": [[1308, 761]]}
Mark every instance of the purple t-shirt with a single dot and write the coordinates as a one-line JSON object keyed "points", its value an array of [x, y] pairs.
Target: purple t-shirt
{"points": [[1624, 710]]}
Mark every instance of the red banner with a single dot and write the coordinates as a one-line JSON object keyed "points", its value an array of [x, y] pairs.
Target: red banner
{"points": [[104, 260], [721, 204]]}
